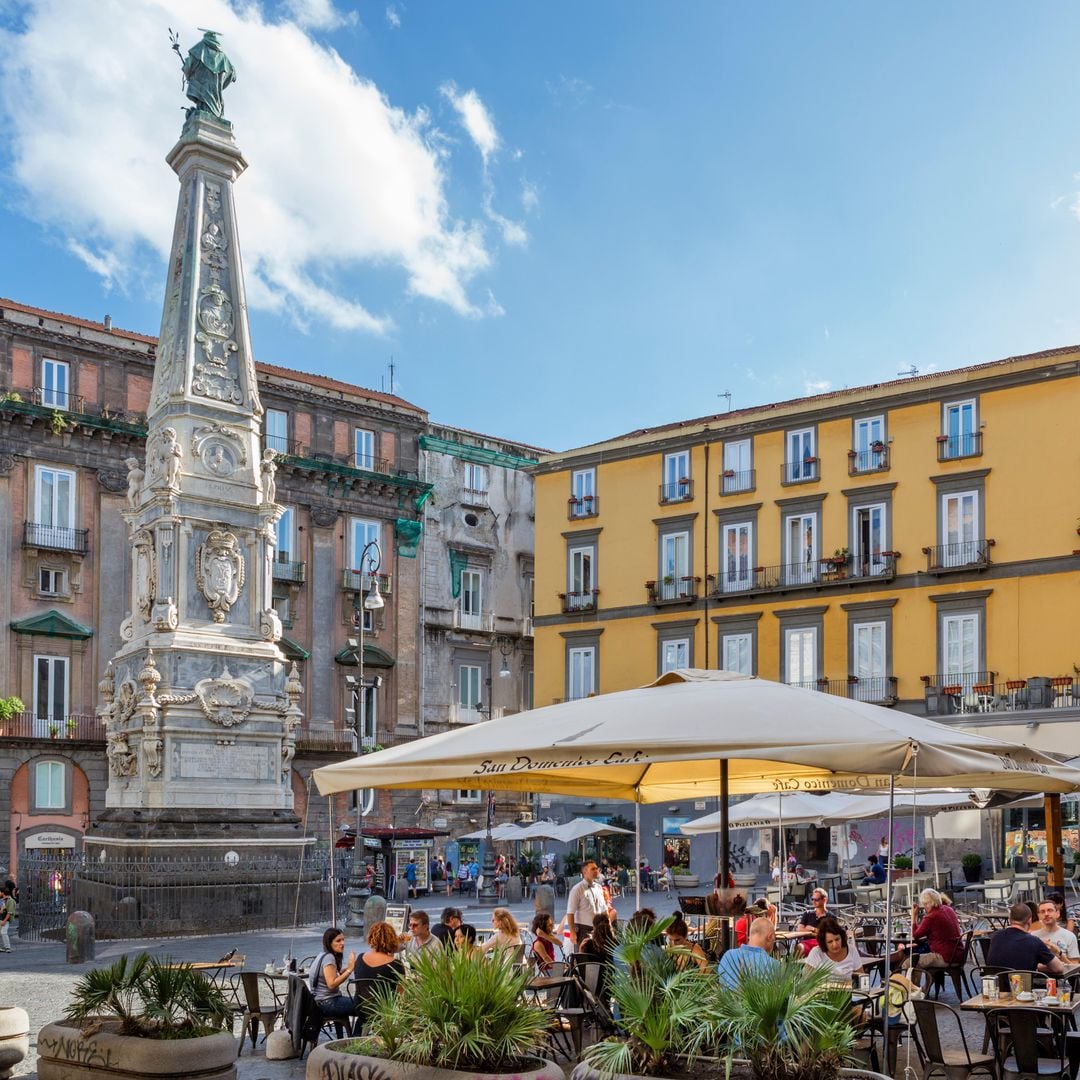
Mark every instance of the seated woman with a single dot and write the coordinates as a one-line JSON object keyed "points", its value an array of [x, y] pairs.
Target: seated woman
{"points": [[544, 942], [678, 935], [832, 951], [465, 937], [599, 945], [507, 932], [379, 966], [329, 974]]}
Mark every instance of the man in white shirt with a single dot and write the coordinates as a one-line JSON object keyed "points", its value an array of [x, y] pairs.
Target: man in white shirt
{"points": [[420, 938], [1061, 942], [585, 902]]}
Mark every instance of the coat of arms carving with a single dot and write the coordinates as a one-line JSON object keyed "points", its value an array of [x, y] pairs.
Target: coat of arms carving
{"points": [[219, 572]]}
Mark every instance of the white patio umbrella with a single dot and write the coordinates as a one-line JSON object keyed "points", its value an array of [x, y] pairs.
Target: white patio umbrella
{"points": [[579, 828], [506, 831], [768, 811]]}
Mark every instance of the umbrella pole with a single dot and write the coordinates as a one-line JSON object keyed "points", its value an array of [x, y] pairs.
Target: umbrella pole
{"points": [[783, 858], [637, 850], [725, 840], [888, 905], [933, 849], [333, 856]]}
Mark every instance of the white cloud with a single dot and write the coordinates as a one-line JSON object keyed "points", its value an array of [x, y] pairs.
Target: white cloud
{"points": [[392, 17], [475, 118], [318, 15], [339, 177], [530, 196], [817, 386]]}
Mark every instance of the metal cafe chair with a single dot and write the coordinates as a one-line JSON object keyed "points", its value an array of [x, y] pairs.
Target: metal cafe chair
{"points": [[1022, 1043], [948, 1057]]}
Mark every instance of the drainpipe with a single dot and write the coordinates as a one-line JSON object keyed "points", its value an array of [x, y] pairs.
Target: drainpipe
{"points": [[705, 595]]}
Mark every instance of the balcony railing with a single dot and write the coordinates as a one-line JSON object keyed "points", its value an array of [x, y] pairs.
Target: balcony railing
{"points": [[963, 555], [331, 740], [583, 506], [480, 621], [950, 447], [55, 538], [527, 627], [733, 482], [800, 472], [280, 445], [289, 571], [978, 692], [360, 581], [475, 497], [676, 491], [876, 459], [77, 726], [815, 573], [473, 714], [574, 602], [874, 689], [370, 463], [58, 399], [674, 590]]}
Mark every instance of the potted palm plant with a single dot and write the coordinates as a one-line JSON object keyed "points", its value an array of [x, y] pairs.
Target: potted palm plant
{"points": [[142, 1019], [458, 1016]]}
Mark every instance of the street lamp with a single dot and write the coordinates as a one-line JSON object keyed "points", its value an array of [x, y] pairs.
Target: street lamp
{"points": [[358, 890], [487, 896]]}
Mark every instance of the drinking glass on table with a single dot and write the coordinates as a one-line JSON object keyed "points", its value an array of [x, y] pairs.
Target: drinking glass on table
{"points": [[1038, 994]]}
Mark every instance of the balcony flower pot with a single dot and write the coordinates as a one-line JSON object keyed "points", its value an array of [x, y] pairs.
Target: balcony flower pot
{"points": [[729, 473], [943, 438]]}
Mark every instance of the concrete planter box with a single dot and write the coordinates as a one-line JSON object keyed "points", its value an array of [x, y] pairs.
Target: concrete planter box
{"points": [[327, 1062], [65, 1054], [14, 1037], [686, 881], [744, 881], [740, 1071]]}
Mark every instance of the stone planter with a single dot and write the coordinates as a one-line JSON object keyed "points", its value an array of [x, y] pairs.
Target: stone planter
{"points": [[327, 1062], [65, 1054], [744, 881], [14, 1038], [740, 1071], [686, 881]]}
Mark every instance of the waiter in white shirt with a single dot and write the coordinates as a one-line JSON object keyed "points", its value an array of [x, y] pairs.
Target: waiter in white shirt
{"points": [[585, 902]]}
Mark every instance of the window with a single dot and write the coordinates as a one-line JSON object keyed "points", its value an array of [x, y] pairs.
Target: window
{"points": [[54, 498], [801, 554], [583, 493], [801, 462], [471, 600], [364, 449], [960, 430], [868, 449], [736, 555], [51, 582], [468, 696], [737, 653], [361, 533], [50, 787], [277, 431], [674, 654], [676, 480], [476, 479], [55, 384], [363, 712], [361, 613], [960, 528], [738, 467], [50, 694], [960, 647], [868, 536], [674, 565], [281, 603], [869, 661], [363, 799], [581, 577], [468, 795], [284, 536], [528, 695], [801, 656], [582, 672]]}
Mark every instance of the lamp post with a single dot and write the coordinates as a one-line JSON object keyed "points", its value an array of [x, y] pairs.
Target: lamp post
{"points": [[358, 890], [487, 895]]}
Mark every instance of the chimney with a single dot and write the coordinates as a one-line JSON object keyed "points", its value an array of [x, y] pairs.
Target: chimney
{"points": [[108, 323]]}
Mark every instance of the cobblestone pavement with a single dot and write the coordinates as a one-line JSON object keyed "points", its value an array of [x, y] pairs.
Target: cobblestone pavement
{"points": [[37, 977]]}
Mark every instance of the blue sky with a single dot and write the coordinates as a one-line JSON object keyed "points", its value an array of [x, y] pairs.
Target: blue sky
{"points": [[564, 221]]}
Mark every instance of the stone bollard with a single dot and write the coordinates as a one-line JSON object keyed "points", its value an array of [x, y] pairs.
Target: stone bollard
{"points": [[14, 1038], [401, 891], [512, 890], [545, 900], [80, 937], [374, 910]]}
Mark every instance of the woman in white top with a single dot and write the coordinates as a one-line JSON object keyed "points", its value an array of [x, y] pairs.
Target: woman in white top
{"points": [[832, 951], [507, 932]]}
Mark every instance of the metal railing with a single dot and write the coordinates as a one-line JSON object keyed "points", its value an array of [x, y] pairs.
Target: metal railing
{"points": [[814, 573], [360, 581], [481, 621], [673, 590], [55, 538], [289, 571], [978, 692], [583, 507], [579, 601], [281, 445], [474, 714], [876, 689], [58, 399], [527, 627], [962, 555], [800, 472], [865, 461], [950, 447], [370, 463], [70, 726], [732, 482], [676, 491]]}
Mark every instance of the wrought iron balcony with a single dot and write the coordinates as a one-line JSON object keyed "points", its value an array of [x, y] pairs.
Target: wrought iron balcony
{"points": [[677, 491], [482, 622], [76, 726], [583, 506], [873, 689], [474, 714], [360, 581], [280, 445], [576, 602], [58, 399], [814, 573], [963, 555], [289, 571], [475, 497], [55, 538], [673, 590], [875, 459], [733, 482], [370, 463], [800, 472], [978, 692], [951, 447]]}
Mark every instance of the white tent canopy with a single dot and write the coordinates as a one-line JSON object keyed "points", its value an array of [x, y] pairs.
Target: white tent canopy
{"points": [[549, 830], [668, 741]]}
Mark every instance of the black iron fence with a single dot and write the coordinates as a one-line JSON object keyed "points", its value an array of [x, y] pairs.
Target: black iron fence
{"points": [[832, 570], [733, 481], [960, 555], [56, 538]]}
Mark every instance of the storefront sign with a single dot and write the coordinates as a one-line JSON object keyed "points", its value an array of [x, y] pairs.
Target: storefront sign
{"points": [[407, 845], [671, 825], [48, 840], [439, 823]]}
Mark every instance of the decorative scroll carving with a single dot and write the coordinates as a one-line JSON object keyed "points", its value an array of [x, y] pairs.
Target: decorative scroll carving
{"points": [[269, 625], [126, 697], [127, 629], [113, 480], [152, 745], [225, 700], [219, 572], [122, 760], [145, 571], [164, 615], [324, 516], [7, 463]]}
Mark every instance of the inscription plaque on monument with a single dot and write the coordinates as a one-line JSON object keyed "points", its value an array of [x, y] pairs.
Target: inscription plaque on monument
{"points": [[208, 761]]}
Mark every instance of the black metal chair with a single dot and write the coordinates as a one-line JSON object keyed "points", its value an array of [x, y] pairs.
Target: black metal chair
{"points": [[936, 1019], [264, 1004], [957, 972], [1025, 1048]]}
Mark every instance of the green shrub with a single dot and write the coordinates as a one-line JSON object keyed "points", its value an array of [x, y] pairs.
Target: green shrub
{"points": [[9, 706], [902, 862], [971, 858]]}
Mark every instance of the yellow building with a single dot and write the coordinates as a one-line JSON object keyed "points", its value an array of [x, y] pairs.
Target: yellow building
{"points": [[910, 543]]}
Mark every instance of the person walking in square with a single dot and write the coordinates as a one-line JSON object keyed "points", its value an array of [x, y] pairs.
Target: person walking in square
{"points": [[7, 915]]}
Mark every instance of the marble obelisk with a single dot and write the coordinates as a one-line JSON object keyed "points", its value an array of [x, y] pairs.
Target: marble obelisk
{"points": [[200, 708]]}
